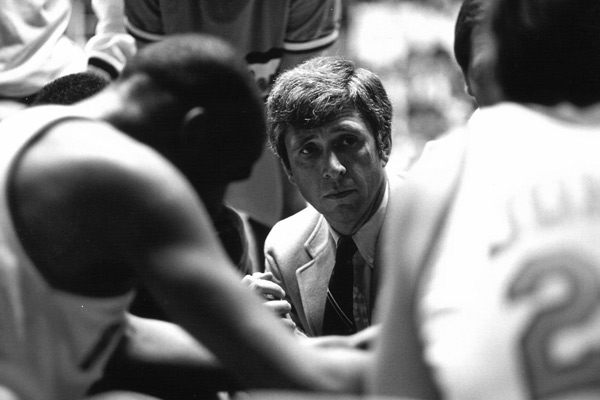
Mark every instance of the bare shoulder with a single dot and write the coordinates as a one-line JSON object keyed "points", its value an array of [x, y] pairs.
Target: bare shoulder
{"points": [[94, 160], [90, 197], [76, 150]]}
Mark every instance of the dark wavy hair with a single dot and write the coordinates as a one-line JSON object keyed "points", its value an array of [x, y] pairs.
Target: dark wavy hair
{"points": [[315, 92]]}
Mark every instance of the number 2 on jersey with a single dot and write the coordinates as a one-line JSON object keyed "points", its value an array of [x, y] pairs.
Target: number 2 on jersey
{"points": [[560, 346]]}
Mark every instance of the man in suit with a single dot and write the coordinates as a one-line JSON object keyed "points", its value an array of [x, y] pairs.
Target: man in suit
{"points": [[330, 124]]}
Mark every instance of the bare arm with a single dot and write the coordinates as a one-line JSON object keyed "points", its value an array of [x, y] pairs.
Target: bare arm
{"points": [[162, 359], [110, 212], [243, 334]]}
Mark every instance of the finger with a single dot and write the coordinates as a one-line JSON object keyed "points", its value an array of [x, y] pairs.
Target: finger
{"points": [[289, 323], [267, 288], [247, 280], [263, 275], [278, 307]]}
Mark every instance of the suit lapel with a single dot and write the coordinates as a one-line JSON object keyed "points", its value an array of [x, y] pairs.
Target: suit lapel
{"points": [[313, 277]]}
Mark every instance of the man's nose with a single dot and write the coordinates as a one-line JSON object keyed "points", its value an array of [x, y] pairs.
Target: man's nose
{"points": [[333, 167]]}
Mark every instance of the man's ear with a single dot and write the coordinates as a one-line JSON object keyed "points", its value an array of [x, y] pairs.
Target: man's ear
{"points": [[386, 149], [288, 172], [192, 123]]}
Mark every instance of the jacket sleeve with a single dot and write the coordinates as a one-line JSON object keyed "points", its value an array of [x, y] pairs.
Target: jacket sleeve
{"points": [[272, 266], [111, 46]]}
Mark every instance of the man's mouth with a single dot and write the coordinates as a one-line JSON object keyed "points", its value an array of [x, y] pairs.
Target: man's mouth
{"points": [[339, 194]]}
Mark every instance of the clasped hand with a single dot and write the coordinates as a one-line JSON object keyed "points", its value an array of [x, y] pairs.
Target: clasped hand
{"points": [[274, 296]]}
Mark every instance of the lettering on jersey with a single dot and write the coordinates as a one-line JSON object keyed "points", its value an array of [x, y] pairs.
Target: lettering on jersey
{"points": [[549, 204], [560, 347]]}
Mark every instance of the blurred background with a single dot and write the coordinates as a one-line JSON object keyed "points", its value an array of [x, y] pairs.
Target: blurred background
{"points": [[408, 43]]}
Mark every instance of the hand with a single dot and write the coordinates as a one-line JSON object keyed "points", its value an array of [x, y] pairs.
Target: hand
{"points": [[361, 340], [274, 296], [262, 283]]}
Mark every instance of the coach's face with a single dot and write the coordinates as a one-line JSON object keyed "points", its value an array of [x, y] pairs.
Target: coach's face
{"points": [[338, 170]]}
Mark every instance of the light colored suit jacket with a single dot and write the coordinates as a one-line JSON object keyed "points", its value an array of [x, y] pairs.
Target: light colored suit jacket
{"points": [[300, 252]]}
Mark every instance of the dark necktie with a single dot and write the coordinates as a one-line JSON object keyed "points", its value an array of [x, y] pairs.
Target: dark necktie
{"points": [[339, 316]]}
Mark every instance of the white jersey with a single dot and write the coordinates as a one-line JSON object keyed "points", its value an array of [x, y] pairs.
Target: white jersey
{"points": [[510, 306], [53, 345], [35, 49]]}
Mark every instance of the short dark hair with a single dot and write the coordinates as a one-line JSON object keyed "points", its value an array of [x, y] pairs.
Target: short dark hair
{"points": [[313, 93], [201, 70], [548, 51], [470, 16], [70, 89]]}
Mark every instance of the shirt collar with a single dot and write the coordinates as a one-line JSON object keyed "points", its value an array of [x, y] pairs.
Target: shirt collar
{"points": [[366, 237]]}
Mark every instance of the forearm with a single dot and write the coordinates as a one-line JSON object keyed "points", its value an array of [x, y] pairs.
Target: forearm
{"points": [[265, 354], [343, 370], [160, 358]]}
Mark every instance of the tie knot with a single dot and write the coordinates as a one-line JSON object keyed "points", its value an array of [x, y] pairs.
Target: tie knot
{"points": [[345, 247]]}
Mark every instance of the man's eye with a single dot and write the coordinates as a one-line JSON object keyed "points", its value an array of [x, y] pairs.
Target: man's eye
{"points": [[308, 149], [349, 141]]}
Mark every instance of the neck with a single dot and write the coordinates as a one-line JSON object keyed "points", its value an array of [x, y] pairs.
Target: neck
{"points": [[212, 197], [104, 106]]}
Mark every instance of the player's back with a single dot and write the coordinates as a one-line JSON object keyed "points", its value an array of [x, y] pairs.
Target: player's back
{"points": [[53, 344], [510, 307]]}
